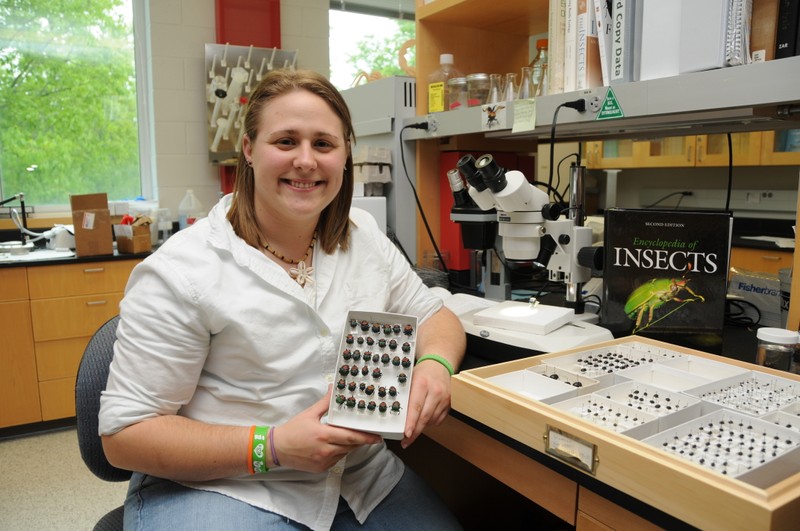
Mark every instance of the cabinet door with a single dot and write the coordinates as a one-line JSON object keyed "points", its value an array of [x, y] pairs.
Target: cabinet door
{"points": [[712, 150], [674, 151], [19, 390], [764, 260], [610, 154], [780, 148], [13, 284]]}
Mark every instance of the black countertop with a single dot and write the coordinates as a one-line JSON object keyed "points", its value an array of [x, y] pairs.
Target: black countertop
{"points": [[74, 260]]}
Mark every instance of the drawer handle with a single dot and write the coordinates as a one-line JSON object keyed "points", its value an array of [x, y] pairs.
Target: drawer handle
{"points": [[94, 270], [96, 303], [771, 258]]}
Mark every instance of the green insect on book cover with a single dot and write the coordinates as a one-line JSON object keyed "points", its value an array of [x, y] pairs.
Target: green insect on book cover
{"points": [[665, 275]]}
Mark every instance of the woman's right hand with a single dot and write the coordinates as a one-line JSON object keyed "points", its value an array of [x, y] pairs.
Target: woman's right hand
{"points": [[305, 443]]}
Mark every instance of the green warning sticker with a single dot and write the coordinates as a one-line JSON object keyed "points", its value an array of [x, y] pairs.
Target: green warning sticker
{"points": [[610, 110]]}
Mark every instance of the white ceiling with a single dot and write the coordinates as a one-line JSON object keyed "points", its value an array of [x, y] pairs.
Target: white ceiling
{"points": [[385, 8]]}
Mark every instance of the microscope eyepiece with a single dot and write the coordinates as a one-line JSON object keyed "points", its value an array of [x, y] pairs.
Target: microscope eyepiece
{"points": [[493, 175], [466, 165]]}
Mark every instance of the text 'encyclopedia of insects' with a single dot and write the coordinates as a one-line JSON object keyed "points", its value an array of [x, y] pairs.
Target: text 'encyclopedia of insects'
{"points": [[665, 275]]}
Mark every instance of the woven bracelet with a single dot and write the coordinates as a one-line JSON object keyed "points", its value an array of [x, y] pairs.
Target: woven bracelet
{"points": [[439, 359], [272, 447]]}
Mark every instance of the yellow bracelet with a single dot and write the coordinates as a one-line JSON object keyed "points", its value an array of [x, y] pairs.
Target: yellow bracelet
{"points": [[437, 358]]}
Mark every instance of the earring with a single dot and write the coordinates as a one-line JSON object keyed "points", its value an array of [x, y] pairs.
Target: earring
{"points": [[249, 163]]}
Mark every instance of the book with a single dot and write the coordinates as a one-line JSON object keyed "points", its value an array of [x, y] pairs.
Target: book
{"points": [[602, 13], [665, 275], [787, 30], [556, 34], [588, 69], [556, 25], [570, 45]]}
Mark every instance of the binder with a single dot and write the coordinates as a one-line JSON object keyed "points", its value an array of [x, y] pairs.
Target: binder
{"points": [[661, 39], [625, 41], [703, 34], [763, 29], [787, 32], [737, 34]]}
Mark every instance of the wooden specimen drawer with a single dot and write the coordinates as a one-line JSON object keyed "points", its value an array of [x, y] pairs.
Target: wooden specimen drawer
{"points": [[703, 392]]}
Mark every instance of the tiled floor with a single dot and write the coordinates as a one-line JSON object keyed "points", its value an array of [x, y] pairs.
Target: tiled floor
{"points": [[45, 485]]}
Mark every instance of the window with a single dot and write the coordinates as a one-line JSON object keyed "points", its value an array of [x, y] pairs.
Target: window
{"points": [[69, 111], [358, 54]]}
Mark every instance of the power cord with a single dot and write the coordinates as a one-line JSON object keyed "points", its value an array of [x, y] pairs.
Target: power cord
{"points": [[423, 126], [578, 105], [736, 313], [683, 194]]}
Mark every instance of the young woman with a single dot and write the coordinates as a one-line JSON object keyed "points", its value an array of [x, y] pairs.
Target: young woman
{"points": [[235, 322]]}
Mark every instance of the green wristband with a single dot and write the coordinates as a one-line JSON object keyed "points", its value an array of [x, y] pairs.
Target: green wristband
{"points": [[437, 358], [258, 450]]}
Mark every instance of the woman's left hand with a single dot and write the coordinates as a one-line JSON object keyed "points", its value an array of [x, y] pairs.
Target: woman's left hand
{"points": [[429, 400]]}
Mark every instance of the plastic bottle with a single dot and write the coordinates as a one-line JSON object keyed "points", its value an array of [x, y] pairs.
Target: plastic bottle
{"points": [[437, 83], [539, 68], [190, 210]]}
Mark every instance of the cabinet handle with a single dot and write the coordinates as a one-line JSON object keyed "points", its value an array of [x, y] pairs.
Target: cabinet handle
{"points": [[771, 258], [96, 303], [689, 153], [94, 270]]}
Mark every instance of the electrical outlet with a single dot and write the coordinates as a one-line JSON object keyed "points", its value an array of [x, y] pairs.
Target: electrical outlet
{"points": [[594, 103]]}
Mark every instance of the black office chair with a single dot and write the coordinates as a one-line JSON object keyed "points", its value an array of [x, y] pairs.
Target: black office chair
{"points": [[92, 377]]}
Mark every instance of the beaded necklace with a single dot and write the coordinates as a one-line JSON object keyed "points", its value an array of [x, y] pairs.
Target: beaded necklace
{"points": [[301, 273]]}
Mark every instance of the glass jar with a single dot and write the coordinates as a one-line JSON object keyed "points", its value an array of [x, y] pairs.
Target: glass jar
{"points": [[456, 93], [478, 89], [777, 348]]}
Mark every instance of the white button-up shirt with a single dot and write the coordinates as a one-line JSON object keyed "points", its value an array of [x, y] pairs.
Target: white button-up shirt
{"points": [[215, 331]]}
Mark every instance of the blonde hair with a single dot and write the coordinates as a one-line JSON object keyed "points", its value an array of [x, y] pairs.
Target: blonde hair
{"points": [[334, 223]]}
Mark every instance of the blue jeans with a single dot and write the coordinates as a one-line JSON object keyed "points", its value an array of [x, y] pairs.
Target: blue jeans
{"points": [[155, 503]]}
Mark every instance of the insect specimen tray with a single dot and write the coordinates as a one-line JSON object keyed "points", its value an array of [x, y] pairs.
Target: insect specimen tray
{"points": [[715, 442]]}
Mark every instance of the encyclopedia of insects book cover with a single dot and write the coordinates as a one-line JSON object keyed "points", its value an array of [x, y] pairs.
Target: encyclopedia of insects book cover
{"points": [[665, 275]]}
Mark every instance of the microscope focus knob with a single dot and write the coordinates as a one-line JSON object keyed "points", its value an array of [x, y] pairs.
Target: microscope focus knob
{"points": [[564, 239], [591, 257], [552, 211]]}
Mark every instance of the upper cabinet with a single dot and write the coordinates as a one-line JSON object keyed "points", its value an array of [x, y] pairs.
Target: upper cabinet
{"points": [[768, 148], [780, 148]]}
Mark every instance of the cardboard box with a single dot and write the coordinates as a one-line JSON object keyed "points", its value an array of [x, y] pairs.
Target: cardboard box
{"points": [[92, 221], [133, 239], [760, 289]]}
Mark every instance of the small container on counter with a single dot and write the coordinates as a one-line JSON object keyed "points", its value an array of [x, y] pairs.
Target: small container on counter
{"points": [[478, 89], [456, 93], [778, 349]]}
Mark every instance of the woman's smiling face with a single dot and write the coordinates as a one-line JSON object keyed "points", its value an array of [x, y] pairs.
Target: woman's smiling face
{"points": [[298, 158]]}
